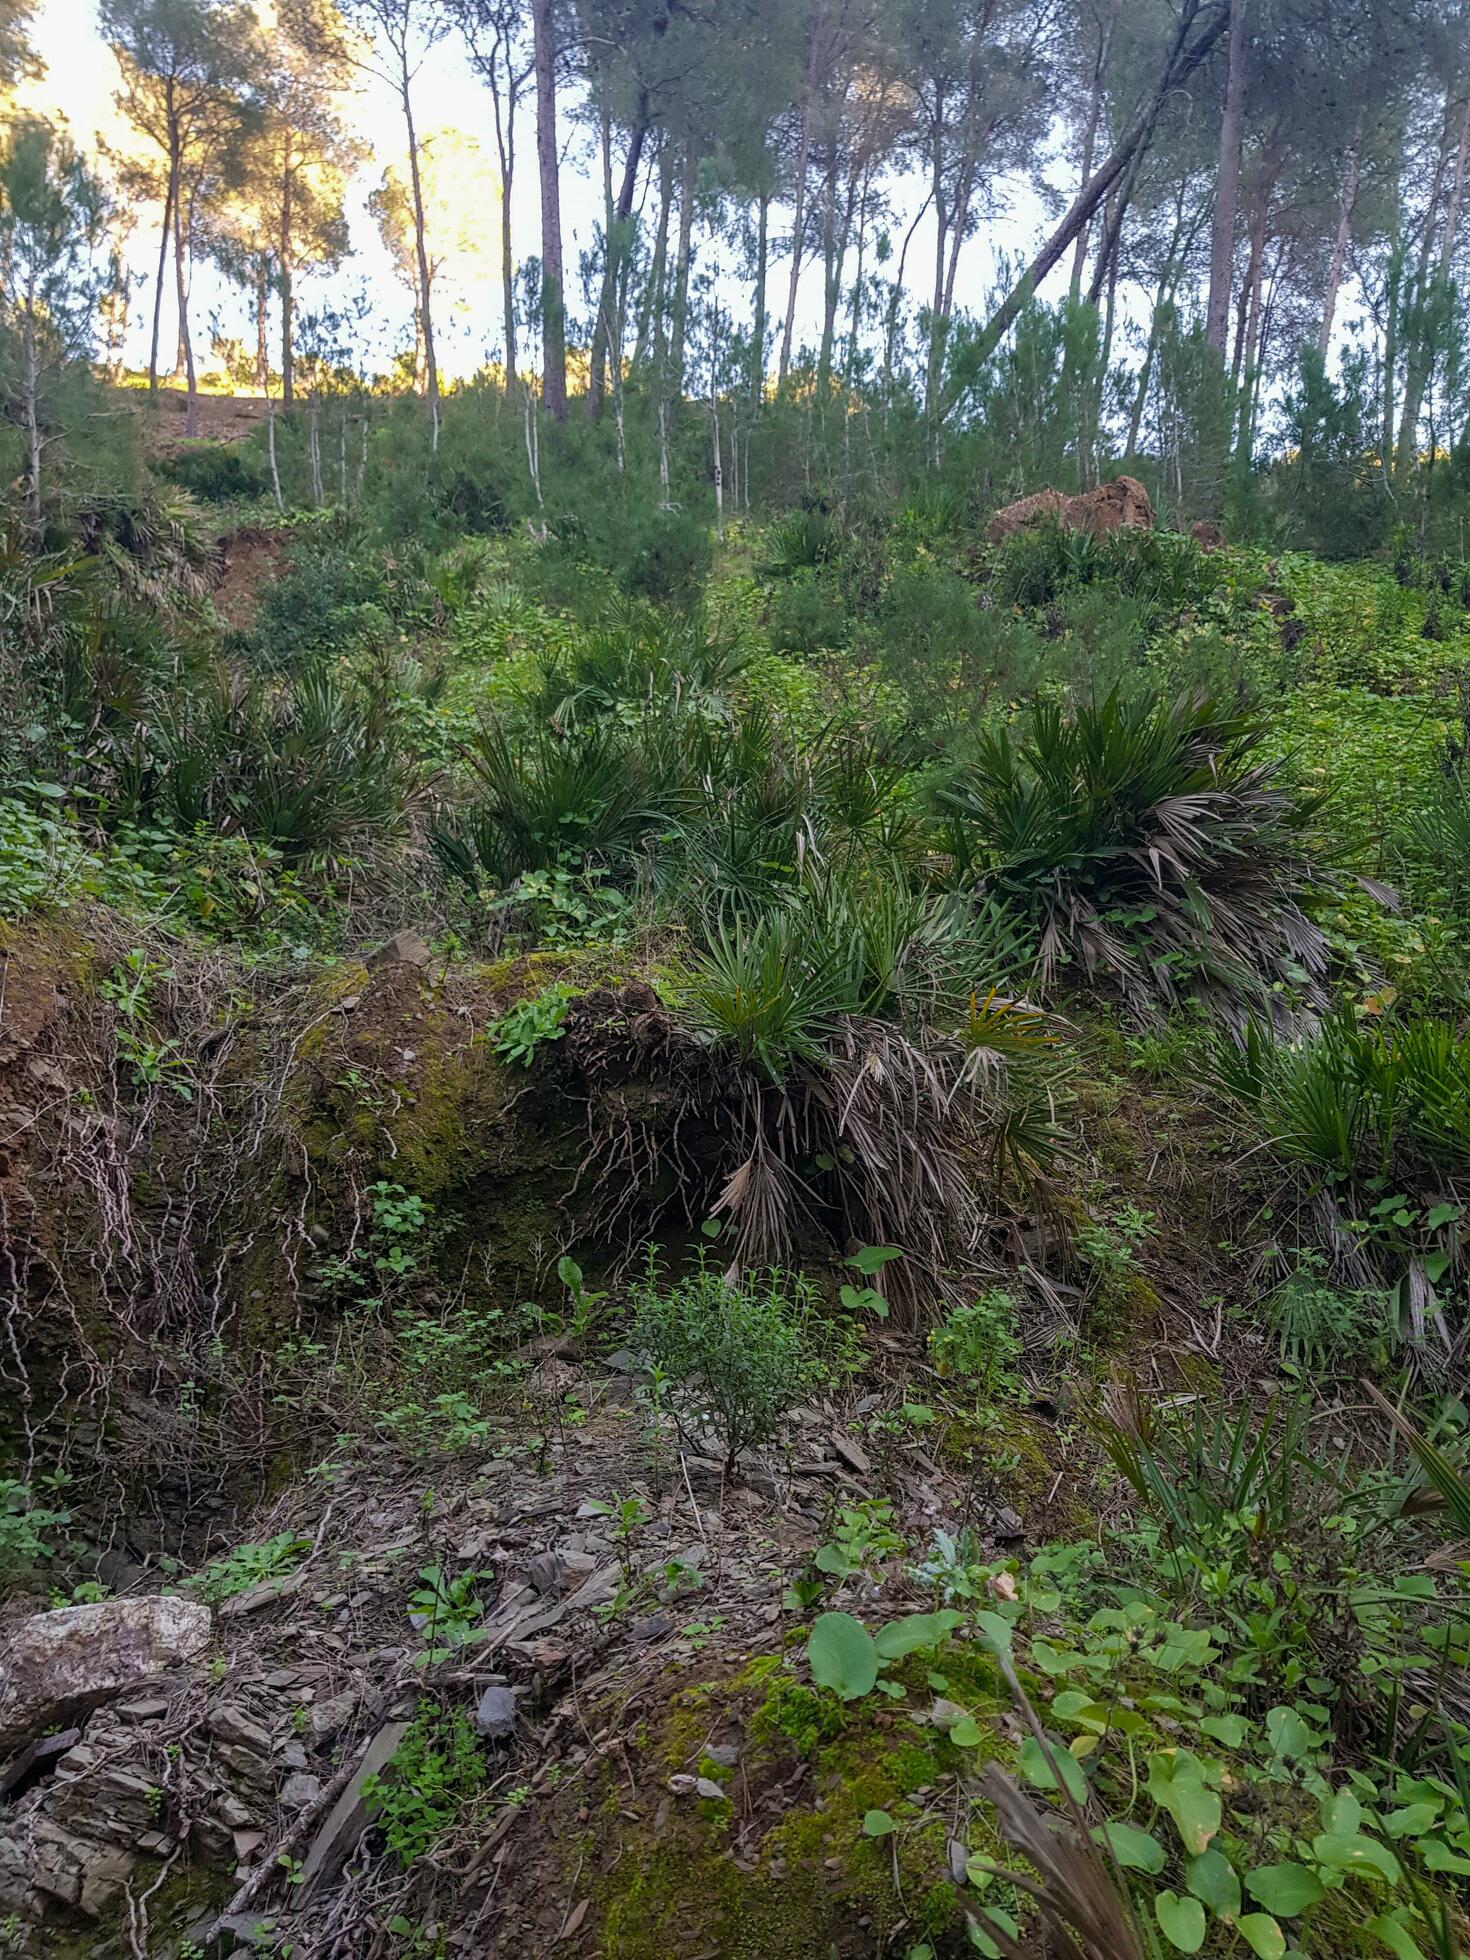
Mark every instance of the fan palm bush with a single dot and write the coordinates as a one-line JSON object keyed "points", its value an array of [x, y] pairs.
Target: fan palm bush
{"points": [[310, 767], [1148, 842], [871, 1071], [1369, 1124], [548, 798]]}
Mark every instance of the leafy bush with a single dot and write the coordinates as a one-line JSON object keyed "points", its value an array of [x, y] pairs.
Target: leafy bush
{"points": [[820, 1006], [307, 766], [1317, 1328], [331, 597], [979, 1344], [738, 1350], [1147, 842], [216, 472], [250, 1565], [435, 1773]]}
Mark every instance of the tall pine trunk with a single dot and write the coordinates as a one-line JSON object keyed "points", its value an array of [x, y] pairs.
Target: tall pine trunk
{"points": [[1227, 182], [553, 305], [285, 254], [687, 179], [186, 344], [1345, 203], [421, 252], [758, 325], [798, 217]]}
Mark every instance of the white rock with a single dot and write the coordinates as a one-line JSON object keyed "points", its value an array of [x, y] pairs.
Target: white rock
{"points": [[61, 1665]]}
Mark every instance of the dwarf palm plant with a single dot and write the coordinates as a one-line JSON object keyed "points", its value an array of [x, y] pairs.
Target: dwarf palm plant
{"points": [[1148, 843]]}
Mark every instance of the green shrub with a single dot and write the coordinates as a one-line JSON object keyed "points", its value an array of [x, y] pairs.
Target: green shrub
{"points": [[330, 598], [435, 1773], [980, 1344], [216, 472], [807, 615], [738, 1351]]}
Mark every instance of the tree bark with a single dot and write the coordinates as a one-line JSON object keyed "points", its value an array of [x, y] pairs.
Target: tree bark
{"points": [[1089, 142], [262, 321], [687, 179], [553, 305], [288, 361], [758, 325], [1227, 183], [615, 253], [505, 145], [798, 217], [170, 191], [651, 317], [421, 251], [191, 416], [1345, 205]]}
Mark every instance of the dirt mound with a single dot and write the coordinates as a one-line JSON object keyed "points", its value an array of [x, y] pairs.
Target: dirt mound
{"points": [[1121, 505], [250, 559], [221, 418]]}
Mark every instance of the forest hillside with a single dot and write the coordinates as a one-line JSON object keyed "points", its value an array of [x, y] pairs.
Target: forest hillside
{"points": [[735, 1061]]}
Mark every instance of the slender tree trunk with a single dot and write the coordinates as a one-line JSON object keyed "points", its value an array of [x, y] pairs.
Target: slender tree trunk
{"points": [[798, 216], [32, 415], [191, 416], [1227, 183], [688, 178], [651, 318], [1345, 205], [505, 144], [1183, 58], [286, 253], [1089, 141], [714, 410], [553, 305], [169, 194], [617, 249], [758, 325], [262, 320], [421, 252], [270, 449]]}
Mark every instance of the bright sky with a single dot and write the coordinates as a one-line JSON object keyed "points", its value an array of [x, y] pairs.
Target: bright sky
{"points": [[81, 79]]}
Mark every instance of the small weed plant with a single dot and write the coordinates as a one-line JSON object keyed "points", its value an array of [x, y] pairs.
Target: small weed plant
{"points": [[435, 1773]]}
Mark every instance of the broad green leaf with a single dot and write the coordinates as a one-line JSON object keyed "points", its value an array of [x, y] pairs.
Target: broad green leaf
{"points": [[915, 1632], [1036, 1766], [1341, 1814], [1053, 1660], [1394, 1937], [842, 1656], [1075, 1706], [1262, 1935], [1176, 1784], [1135, 1850], [999, 1632], [1356, 1854], [1439, 1858], [1230, 1730], [873, 1258], [1412, 1821], [1182, 1921], [980, 1939], [1285, 1890], [1290, 1736], [877, 1823], [967, 1733], [1211, 1878]]}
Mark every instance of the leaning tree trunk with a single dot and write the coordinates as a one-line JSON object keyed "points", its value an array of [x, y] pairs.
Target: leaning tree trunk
{"points": [[1183, 58], [262, 321], [553, 306], [798, 219], [1089, 144], [163, 241], [617, 250], [1227, 183]]}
